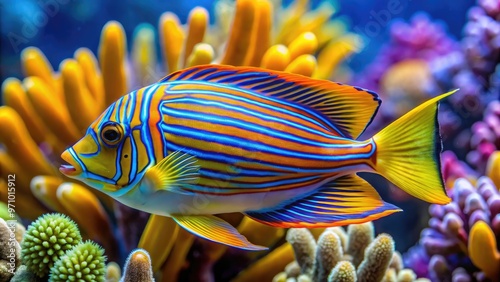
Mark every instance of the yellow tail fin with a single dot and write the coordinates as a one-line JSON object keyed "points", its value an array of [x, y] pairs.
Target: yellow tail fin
{"points": [[408, 153]]}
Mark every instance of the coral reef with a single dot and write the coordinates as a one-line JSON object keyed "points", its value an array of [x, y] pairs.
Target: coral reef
{"points": [[485, 138], [46, 241], [420, 39], [51, 107], [83, 263], [10, 251], [460, 241], [338, 255]]}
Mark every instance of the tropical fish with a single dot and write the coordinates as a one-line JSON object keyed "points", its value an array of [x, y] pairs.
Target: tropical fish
{"points": [[281, 148]]}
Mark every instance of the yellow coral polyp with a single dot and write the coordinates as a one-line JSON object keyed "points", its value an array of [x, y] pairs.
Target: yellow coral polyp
{"points": [[34, 63], [45, 189], [93, 79], [197, 26], [241, 33], [15, 137], [86, 210], [158, 239], [202, 54], [304, 65], [266, 267], [306, 43], [483, 249], [261, 33], [14, 96], [79, 101], [171, 38], [143, 54], [276, 58], [112, 52], [53, 112], [493, 168]]}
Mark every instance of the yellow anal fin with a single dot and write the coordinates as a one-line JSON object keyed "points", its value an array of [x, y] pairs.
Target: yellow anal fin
{"points": [[216, 230], [172, 172], [346, 200]]}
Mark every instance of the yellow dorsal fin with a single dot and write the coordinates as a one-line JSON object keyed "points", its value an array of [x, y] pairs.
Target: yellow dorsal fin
{"points": [[345, 109]]}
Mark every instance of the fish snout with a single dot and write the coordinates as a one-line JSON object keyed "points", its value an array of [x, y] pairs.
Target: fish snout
{"points": [[71, 169]]}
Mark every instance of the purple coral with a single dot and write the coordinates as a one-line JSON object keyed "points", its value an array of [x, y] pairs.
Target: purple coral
{"points": [[442, 253], [485, 138], [421, 38]]}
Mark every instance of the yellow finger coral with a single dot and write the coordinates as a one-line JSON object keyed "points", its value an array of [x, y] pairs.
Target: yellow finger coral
{"points": [[483, 249]]}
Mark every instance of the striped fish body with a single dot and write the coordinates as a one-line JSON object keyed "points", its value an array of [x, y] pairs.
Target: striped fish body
{"points": [[250, 146], [281, 148]]}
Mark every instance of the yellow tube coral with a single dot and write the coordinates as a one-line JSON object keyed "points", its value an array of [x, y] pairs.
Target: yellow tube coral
{"points": [[493, 168], [52, 111], [335, 52], [171, 38], [177, 256], [306, 43], [202, 54], [241, 33], [35, 63], [197, 25], [144, 55], [260, 234], [45, 189], [268, 266], [79, 101], [93, 78], [112, 52], [85, 209], [304, 65], [158, 239], [14, 96], [276, 58], [15, 137], [483, 249], [261, 33], [27, 205]]}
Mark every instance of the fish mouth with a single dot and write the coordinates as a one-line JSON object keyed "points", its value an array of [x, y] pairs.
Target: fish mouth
{"points": [[71, 169]]}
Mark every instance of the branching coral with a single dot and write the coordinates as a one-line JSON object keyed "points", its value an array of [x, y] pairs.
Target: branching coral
{"points": [[340, 256], [46, 241], [460, 240]]}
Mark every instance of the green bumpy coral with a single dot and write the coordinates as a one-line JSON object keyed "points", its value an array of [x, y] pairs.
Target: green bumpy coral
{"points": [[84, 263], [46, 240]]}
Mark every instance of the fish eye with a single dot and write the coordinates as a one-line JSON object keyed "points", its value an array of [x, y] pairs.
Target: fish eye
{"points": [[111, 133]]}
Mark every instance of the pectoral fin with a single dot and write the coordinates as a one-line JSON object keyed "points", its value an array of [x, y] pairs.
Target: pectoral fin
{"points": [[172, 172], [216, 230]]}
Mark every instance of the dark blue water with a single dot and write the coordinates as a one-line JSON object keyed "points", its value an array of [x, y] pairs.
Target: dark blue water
{"points": [[59, 27]]}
